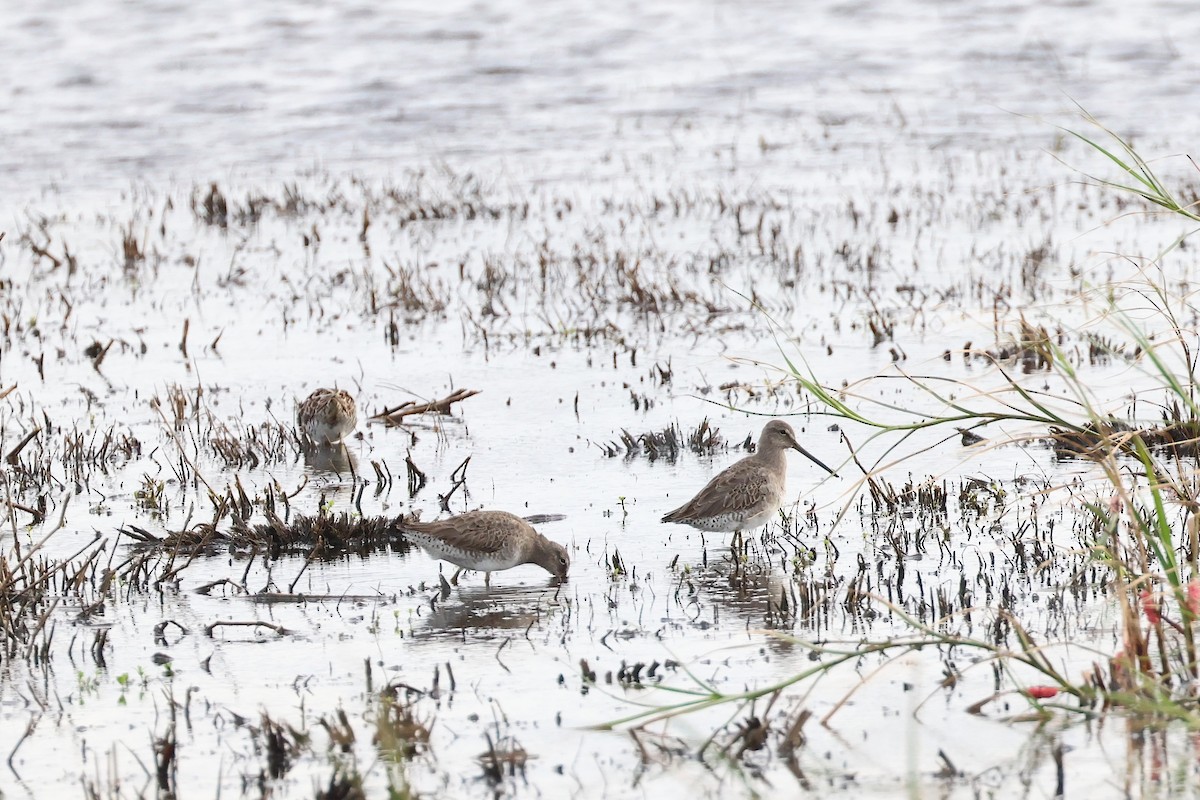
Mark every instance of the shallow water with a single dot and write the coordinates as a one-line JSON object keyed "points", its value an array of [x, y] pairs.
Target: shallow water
{"points": [[98, 99], [564, 202]]}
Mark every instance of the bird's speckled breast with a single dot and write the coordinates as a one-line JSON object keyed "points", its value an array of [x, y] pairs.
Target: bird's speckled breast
{"points": [[724, 523], [507, 558]]}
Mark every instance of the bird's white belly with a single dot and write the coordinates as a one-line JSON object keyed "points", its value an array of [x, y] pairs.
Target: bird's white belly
{"points": [[761, 518], [324, 433], [491, 562]]}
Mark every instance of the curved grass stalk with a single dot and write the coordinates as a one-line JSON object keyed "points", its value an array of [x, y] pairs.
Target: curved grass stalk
{"points": [[704, 701], [926, 636], [1145, 183]]}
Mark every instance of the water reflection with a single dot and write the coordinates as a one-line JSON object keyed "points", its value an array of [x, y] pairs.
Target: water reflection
{"points": [[757, 588], [336, 459], [492, 609], [755, 591]]}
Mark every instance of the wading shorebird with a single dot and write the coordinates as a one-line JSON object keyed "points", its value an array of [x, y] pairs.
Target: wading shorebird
{"points": [[748, 493], [489, 541], [327, 416]]}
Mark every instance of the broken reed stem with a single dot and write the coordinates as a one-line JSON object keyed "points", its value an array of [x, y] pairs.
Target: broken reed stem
{"points": [[416, 478], [29, 727], [12, 519], [37, 515], [13, 454], [312, 554], [459, 476], [182, 452], [208, 587], [279, 629], [183, 341], [395, 416]]}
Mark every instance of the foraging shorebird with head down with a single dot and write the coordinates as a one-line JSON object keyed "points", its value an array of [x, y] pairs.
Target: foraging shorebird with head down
{"points": [[326, 417], [747, 494], [489, 541]]}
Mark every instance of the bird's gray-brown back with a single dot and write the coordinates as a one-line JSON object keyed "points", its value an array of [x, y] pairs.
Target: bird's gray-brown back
{"points": [[748, 492], [483, 532]]}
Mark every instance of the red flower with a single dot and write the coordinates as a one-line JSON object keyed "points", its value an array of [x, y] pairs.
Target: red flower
{"points": [[1041, 692], [1150, 606], [1193, 597]]}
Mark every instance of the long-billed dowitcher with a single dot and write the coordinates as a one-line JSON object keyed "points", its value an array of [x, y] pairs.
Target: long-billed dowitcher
{"points": [[748, 493], [326, 416], [489, 541]]}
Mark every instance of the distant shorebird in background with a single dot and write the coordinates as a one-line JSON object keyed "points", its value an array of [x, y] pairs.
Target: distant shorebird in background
{"points": [[748, 493], [489, 541], [327, 416]]}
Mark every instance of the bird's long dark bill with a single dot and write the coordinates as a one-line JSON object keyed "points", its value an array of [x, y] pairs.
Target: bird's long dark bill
{"points": [[815, 460]]}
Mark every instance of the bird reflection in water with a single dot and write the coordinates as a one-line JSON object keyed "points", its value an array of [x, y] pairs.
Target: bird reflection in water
{"points": [[492, 609], [330, 459]]}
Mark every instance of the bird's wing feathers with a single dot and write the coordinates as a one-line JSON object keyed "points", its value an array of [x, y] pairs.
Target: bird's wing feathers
{"points": [[473, 532], [738, 488]]}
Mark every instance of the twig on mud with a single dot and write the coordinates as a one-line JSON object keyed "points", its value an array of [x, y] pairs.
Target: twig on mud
{"points": [[279, 629], [395, 416]]}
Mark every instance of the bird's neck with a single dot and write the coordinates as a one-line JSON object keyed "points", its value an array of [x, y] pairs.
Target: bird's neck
{"points": [[773, 458]]}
